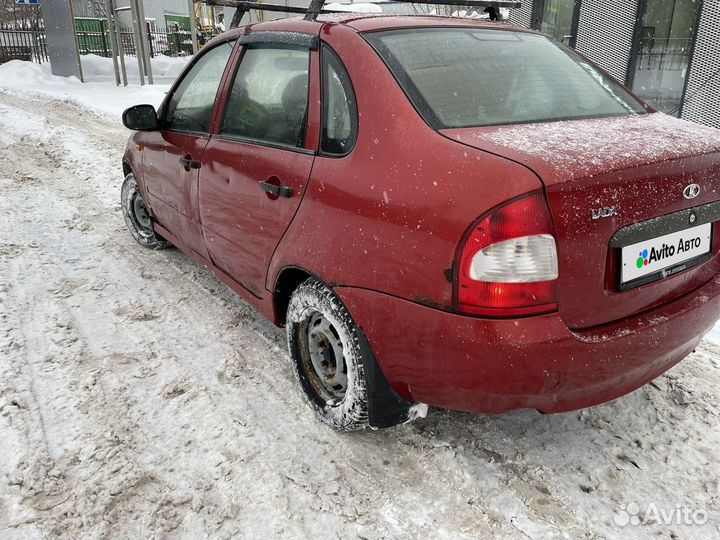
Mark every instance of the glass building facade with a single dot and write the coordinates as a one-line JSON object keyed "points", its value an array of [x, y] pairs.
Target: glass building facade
{"points": [[667, 51]]}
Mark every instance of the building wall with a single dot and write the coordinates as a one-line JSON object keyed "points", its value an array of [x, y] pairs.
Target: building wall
{"points": [[154, 9], [605, 33], [84, 9], [702, 95], [523, 16]]}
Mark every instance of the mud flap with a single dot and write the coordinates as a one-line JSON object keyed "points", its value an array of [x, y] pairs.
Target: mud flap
{"points": [[385, 407]]}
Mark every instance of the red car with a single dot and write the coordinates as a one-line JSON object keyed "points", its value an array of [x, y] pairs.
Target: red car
{"points": [[439, 211]]}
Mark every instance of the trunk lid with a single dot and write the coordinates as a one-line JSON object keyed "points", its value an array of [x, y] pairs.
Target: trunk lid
{"points": [[638, 165]]}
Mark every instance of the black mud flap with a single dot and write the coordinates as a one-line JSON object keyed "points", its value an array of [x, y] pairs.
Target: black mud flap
{"points": [[385, 407]]}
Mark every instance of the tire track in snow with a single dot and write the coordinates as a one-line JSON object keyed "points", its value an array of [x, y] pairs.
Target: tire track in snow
{"points": [[208, 435], [304, 479]]}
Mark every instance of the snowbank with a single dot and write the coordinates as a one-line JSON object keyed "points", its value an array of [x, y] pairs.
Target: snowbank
{"points": [[35, 80], [355, 8], [164, 67]]}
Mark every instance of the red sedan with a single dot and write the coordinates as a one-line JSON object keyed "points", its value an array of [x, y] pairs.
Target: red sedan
{"points": [[439, 211]]}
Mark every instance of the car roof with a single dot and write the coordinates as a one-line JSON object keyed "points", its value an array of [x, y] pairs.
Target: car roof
{"points": [[368, 22], [371, 22]]}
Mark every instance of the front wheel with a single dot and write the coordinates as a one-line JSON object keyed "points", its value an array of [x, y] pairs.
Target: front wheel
{"points": [[327, 357], [137, 218]]}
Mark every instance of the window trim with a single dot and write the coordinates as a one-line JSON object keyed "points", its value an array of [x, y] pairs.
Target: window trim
{"points": [[262, 142], [354, 113], [162, 114], [295, 39]]}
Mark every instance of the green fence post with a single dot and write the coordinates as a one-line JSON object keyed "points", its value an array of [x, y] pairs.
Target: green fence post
{"points": [[104, 39]]}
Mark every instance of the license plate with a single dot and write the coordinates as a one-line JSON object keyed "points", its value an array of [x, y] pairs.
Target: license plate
{"points": [[665, 255]]}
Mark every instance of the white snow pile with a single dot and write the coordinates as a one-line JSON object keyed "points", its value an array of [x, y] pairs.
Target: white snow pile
{"points": [[165, 67], [473, 13], [33, 80], [361, 7]]}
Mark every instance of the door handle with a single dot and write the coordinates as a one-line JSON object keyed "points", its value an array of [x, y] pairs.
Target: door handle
{"points": [[189, 163], [275, 190]]}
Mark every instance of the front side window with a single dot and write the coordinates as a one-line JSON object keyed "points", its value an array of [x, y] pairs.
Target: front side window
{"points": [[459, 77], [339, 130], [191, 105], [269, 96]]}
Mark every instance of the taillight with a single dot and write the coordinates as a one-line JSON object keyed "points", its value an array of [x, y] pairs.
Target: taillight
{"points": [[508, 264]]}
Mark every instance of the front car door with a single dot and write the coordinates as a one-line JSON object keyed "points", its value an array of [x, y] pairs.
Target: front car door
{"points": [[255, 169], [171, 156]]}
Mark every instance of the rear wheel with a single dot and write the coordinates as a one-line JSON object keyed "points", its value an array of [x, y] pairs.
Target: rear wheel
{"points": [[326, 354], [137, 218]]}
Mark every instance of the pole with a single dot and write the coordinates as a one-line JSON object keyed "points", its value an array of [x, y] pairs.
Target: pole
{"points": [[118, 37], [138, 40], [145, 41], [77, 51], [193, 26], [111, 35]]}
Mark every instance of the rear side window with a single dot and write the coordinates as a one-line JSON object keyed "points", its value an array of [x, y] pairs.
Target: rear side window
{"points": [[191, 105], [459, 77], [339, 126], [269, 97]]}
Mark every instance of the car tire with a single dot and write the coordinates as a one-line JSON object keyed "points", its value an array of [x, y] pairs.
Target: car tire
{"points": [[327, 358], [137, 218]]}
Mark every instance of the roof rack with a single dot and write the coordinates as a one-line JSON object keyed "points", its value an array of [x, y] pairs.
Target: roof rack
{"points": [[318, 6]]}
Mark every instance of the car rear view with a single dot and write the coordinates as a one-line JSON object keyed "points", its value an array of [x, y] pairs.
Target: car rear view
{"points": [[463, 214], [611, 269]]}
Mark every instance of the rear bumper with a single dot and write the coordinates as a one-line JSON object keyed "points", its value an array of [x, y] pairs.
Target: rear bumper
{"points": [[493, 366]]}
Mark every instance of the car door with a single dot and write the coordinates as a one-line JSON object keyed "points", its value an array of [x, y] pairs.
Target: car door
{"points": [[171, 156], [255, 169]]}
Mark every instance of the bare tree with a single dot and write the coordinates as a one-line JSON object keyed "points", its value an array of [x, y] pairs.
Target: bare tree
{"points": [[19, 17]]}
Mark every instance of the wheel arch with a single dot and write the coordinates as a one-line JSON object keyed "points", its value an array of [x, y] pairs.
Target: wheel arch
{"points": [[385, 407], [127, 169], [287, 280]]}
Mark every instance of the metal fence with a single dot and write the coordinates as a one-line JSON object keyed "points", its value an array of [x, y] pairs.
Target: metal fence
{"points": [[177, 43], [31, 44], [23, 45]]}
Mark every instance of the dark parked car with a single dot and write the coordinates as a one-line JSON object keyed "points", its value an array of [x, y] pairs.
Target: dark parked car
{"points": [[439, 211]]}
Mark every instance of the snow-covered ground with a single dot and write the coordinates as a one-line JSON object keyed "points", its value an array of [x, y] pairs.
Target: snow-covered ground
{"points": [[99, 94], [140, 398]]}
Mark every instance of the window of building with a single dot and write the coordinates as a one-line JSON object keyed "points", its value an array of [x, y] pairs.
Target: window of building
{"points": [[662, 54]]}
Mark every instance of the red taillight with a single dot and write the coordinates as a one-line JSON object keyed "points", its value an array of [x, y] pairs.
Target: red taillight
{"points": [[507, 265]]}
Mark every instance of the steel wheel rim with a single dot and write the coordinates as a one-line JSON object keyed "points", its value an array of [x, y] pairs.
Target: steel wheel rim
{"points": [[142, 218], [325, 363]]}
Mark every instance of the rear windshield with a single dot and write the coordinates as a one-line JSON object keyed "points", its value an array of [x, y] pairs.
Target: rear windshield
{"points": [[458, 77]]}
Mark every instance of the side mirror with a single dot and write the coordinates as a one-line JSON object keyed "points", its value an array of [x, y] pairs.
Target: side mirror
{"points": [[140, 118]]}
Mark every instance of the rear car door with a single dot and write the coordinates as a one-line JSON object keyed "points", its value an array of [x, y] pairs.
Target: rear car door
{"points": [[255, 169], [171, 156]]}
